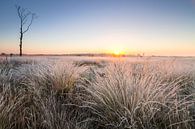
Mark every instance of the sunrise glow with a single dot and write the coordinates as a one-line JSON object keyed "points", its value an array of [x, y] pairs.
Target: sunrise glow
{"points": [[118, 52], [152, 27]]}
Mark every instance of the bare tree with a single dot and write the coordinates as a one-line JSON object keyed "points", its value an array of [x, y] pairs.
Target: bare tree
{"points": [[26, 19]]}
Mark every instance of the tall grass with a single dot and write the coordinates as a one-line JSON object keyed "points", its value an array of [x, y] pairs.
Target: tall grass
{"points": [[120, 95], [142, 96]]}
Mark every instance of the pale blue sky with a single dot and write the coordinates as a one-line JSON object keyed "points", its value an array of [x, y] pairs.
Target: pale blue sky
{"points": [[160, 27]]}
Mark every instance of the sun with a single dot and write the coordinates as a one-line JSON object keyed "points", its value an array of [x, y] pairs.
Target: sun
{"points": [[118, 52]]}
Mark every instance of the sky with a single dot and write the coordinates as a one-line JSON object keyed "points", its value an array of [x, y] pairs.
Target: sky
{"points": [[153, 27]]}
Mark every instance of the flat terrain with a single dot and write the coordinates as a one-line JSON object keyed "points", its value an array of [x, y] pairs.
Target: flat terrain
{"points": [[75, 92]]}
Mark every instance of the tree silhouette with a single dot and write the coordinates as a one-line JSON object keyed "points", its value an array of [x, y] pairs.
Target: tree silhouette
{"points": [[26, 19]]}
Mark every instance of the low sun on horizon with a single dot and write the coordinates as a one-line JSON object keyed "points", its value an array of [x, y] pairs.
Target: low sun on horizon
{"points": [[118, 51], [97, 64], [114, 27]]}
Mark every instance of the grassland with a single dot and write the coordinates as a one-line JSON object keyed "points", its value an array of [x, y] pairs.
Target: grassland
{"points": [[48, 93]]}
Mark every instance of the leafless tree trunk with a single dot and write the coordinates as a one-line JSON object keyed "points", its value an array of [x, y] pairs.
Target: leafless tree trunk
{"points": [[26, 19]]}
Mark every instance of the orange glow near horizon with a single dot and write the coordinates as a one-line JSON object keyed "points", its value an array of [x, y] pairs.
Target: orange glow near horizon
{"points": [[190, 52], [118, 52], [115, 50], [117, 27]]}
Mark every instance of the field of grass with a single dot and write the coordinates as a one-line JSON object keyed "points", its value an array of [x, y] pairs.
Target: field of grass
{"points": [[97, 93]]}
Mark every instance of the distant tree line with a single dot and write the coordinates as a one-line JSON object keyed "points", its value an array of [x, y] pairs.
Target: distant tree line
{"points": [[4, 54]]}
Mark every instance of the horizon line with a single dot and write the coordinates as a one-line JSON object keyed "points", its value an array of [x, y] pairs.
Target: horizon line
{"points": [[95, 55]]}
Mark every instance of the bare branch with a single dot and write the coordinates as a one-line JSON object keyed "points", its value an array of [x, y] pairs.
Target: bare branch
{"points": [[18, 11], [24, 19], [32, 18], [24, 16], [24, 22]]}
